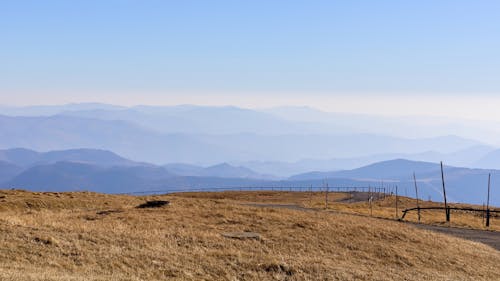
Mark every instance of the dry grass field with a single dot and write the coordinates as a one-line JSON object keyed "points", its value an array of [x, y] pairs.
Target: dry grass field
{"points": [[88, 236], [357, 203]]}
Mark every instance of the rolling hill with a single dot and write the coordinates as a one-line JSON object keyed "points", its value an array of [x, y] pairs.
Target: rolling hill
{"points": [[26, 157]]}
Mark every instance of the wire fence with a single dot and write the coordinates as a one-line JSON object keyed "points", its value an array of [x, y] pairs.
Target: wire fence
{"points": [[369, 189]]}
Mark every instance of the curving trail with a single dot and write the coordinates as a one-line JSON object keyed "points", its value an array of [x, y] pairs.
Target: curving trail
{"points": [[490, 238]]}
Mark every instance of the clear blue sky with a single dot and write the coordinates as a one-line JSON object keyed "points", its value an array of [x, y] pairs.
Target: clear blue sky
{"points": [[107, 48]]}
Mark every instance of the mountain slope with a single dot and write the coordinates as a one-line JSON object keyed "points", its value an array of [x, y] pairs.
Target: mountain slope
{"points": [[129, 140], [222, 170], [462, 184], [19, 156], [70, 176], [8, 171], [25, 157], [490, 160], [91, 156], [392, 169]]}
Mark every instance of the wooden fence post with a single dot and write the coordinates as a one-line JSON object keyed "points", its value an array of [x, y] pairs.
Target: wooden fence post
{"points": [[310, 196], [326, 197], [447, 211], [397, 201], [488, 203], [416, 194], [483, 213]]}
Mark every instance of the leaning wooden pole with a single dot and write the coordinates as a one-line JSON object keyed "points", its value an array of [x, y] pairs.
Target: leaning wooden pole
{"points": [[488, 202], [447, 211], [416, 194]]}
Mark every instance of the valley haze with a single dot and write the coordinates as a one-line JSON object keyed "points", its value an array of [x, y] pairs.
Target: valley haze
{"points": [[117, 149]]}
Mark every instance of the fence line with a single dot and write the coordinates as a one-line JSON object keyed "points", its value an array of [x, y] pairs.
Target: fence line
{"points": [[376, 190]]}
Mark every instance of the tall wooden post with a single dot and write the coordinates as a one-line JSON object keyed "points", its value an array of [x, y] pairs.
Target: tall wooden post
{"points": [[483, 213], [416, 194], [310, 196], [370, 200], [488, 202], [326, 197], [397, 202], [447, 211]]}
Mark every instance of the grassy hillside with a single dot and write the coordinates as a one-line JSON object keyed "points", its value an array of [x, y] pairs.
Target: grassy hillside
{"points": [[88, 236]]}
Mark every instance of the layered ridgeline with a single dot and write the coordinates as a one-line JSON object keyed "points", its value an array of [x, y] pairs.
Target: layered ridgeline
{"points": [[104, 171], [252, 138], [462, 184]]}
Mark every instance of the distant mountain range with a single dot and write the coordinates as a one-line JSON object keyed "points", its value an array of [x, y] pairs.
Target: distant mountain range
{"points": [[463, 184], [392, 169], [143, 144], [104, 171], [211, 135], [479, 156], [227, 120], [230, 146], [26, 157], [223, 170]]}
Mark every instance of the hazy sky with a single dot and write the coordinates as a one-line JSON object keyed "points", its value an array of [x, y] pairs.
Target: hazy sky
{"points": [[393, 57]]}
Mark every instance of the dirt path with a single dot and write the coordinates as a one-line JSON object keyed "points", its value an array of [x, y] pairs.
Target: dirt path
{"points": [[490, 238]]}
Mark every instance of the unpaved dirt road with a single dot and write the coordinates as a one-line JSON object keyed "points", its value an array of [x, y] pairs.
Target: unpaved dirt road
{"points": [[490, 238]]}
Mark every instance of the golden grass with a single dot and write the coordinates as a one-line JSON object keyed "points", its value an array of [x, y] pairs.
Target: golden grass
{"points": [[386, 208], [46, 236], [338, 201]]}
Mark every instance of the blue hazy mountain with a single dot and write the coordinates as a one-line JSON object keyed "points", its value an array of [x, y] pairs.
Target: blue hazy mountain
{"points": [[462, 184], [191, 119], [49, 110], [392, 169], [490, 160], [8, 171], [183, 169], [104, 171], [26, 157], [141, 144], [71, 176], [281, 120], [210, 135], [130, 140], [222, 170], [469, 157], [256, 143], [400, 126], [19, 156]]}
